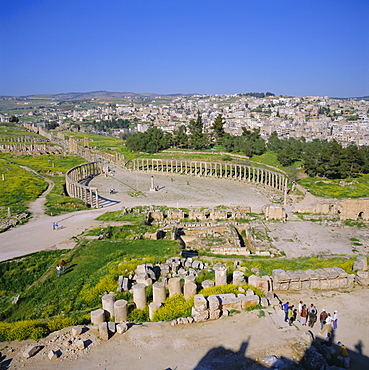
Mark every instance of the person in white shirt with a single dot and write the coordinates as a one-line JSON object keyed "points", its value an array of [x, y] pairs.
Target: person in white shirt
{"points": [[335, 319], [328, 325]]}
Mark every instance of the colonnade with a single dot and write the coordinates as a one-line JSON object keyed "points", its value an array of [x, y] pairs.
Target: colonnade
{"points": [[239, 172], [74, 186]]}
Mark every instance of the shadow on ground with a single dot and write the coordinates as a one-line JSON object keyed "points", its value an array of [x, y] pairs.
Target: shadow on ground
{"points": [[318, 356]]}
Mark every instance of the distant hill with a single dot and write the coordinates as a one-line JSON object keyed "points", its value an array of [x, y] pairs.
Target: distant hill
{"points": [[93, 95]]}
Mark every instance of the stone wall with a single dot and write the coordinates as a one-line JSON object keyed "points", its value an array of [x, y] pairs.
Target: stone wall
{"points": [[329, 278]]}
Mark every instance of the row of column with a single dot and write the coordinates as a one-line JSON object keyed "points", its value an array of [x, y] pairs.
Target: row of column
{"points": [[213, 169], [77, 190]]}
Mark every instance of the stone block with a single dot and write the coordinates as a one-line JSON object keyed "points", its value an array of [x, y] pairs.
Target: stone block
{"points": [[76, 331], [79, 344], [335, 284], [250, 301], [98, 316], [295, 285], [280, 276], [323, 273], [190, 278], [207, 284], [122, 327], [303, 276], [333, 274], [313, 275], [200, 302], [361, 263], [103, 330], [214, 314], [341, 272], [276, 286], [363, 274], [189, 290], [190, 320], [250, 292], [350, 280], [238, 278], [200, 315], [52, 355], [325, 284], [315, 284], [293, 275], [264, 302], [30, 351], [121, 310], [214, 302], [220, 277], [306, 284], [112, 327], [343, 282], [230, 302], [285, 286]]}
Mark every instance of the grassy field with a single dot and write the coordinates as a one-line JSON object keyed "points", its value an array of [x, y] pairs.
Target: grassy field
{"points": [[50, 166], [18, 187], [347, 188], [10, 130]]}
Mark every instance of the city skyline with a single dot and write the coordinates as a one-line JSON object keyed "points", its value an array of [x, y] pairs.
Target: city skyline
{"points": [[289, 48]]}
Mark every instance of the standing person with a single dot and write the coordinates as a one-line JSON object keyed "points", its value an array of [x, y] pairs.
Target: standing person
{"points": [[285, 309], [304, 314], [53, 225], [335, 319], [328, 325], [58, 270], [323, 316], [299, 308], [63, 263], [312, 318], [290, 315]]}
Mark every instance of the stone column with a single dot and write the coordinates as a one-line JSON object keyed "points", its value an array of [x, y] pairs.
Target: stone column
{"points": [[153, 306], [238, 278], [108, 304], [97, 316], [190, 289], [158, 291], [174, 286], [220, 274], [121, 310], [139, 295]]}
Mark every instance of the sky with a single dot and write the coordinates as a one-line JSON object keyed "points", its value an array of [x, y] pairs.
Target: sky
{"points": [[287, 47]]}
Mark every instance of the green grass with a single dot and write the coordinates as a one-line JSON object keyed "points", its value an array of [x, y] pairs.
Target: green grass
{"points": [[18, 188], [348, 188], [53, 167], [266, 266], [269, 158]]}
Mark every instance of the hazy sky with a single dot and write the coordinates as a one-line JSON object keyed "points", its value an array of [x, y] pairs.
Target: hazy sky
{"points": [[297, 47]]}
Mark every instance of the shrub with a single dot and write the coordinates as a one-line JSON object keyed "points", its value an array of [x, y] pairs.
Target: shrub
{"points": [[229, 288], [174, 307], [138, 315], [59, 323]]}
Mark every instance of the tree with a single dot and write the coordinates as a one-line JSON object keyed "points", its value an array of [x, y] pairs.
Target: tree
{"points": [[197, 137], [180, 138], [152, 141], [14, 119], [274, 143], [218, 127]]}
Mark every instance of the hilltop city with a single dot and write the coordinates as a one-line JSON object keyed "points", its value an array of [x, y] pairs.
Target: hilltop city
{"points": [[311, 117]]}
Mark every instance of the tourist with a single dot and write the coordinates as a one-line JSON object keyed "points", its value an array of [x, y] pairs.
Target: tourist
{"points": [[303, 314], [335, 319], [323, 316], [312, 317], [290, 315], [343, 355], [63, 263], [328, 340], [285, 309], [53, 225], [299, 308], [58, 270], [328, 325]]}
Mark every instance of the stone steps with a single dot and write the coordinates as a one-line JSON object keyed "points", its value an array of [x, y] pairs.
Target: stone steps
{"points": [[275, 316]]}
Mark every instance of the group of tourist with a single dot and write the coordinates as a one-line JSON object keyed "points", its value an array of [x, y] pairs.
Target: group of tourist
{"points": [[309, 316]]}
